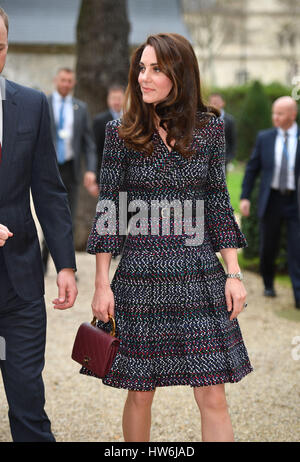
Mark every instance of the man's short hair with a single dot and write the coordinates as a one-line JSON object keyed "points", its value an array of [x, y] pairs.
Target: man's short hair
{"points": [[217, 94], [65, 69], [116, 87], [4, 17]]}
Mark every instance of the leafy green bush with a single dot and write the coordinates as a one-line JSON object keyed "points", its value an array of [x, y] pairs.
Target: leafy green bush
{"points": [[250, 105], [255, 115]]}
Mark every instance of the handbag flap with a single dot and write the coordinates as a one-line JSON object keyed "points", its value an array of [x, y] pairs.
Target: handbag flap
{"points": [[94, 348]]}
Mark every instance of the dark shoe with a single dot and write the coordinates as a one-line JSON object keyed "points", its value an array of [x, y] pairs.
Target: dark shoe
{"points": [[269, 292], [297, 304]]}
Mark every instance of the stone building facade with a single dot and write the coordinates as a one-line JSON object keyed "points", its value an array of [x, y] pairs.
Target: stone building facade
{"points": [[235, 40], [42, 36], [240, 40]]}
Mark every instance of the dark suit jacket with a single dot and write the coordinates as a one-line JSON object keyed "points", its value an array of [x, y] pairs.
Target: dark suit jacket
{"points": [[83, 140], [99, 125], [262, 163], [298, 195], [230, 137], [29, 163]]}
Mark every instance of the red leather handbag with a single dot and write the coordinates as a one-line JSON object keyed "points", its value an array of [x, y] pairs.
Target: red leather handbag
{"points": [[94, 348]]}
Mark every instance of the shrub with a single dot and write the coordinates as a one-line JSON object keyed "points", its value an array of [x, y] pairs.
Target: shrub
{"points": [[250, 105], [255, 115]]}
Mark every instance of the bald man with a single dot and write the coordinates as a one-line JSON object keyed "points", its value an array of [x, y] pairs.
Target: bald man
{"points": [[276, 158]]}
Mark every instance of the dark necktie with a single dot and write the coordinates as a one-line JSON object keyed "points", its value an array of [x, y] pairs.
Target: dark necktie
{"points": [[283, 175], [60, 137]]}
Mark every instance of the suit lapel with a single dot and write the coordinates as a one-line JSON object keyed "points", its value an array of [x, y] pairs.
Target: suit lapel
{"points": [[50, 101], [273, 135], [76, 115], [76, 126], [297, 160], [52, 117], [10, 124]]}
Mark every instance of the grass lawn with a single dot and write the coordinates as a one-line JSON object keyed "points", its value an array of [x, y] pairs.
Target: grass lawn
{"points": [[234, 184]]}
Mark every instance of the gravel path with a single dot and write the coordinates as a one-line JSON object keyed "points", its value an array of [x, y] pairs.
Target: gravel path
{"points": [[264, 406]]}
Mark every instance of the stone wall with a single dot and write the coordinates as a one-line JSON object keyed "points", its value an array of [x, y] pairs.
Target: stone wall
{"points": [[250, 43], [260, 40], [35, 68]]}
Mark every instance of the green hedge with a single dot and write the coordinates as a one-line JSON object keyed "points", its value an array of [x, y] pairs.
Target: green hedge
{"points": [[251, 106]]}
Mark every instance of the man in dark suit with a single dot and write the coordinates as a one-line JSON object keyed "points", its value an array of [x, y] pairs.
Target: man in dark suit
{"points": [[217, 101], [115, 101], [72, 136], [298, 188], [276, 158], [28, 163]]}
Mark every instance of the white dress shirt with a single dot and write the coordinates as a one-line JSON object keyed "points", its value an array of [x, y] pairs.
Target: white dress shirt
{"points": [[292, 148], [1, 121], [115, 115], [68, 121], [2, 97]]}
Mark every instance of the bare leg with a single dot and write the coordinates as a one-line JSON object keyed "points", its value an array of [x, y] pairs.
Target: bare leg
{"points": [[137, 416], [215, 419]]}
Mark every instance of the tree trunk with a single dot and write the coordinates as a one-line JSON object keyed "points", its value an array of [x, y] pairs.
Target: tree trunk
{"points": [[102, 59]]}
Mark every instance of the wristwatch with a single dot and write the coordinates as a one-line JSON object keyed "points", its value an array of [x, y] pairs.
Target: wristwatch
{"points": [[238, 275]]}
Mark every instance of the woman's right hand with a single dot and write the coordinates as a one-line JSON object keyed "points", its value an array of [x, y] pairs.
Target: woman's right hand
{"points": [[103, 303]]}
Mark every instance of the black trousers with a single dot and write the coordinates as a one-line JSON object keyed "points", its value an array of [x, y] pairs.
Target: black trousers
{"points": [[72, 186], [280, 208], [23, 332]]}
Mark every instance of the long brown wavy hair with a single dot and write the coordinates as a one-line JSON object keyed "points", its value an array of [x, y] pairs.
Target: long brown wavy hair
{"points": [[182, 110]]}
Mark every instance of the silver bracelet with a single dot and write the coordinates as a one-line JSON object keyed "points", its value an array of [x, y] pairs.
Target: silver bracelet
{"points": [[238, 275]]}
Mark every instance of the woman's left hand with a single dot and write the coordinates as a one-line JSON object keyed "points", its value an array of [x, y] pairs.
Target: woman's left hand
{"points": [[235, 294]]}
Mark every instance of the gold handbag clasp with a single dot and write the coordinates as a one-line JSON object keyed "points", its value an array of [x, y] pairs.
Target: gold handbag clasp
{"points": [[112, 321]]}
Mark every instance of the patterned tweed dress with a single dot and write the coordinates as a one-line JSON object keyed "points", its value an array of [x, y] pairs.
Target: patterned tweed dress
{"points": [[170, 306]]}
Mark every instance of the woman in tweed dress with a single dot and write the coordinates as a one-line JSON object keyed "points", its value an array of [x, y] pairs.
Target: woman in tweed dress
{"points": [[175, 308]]}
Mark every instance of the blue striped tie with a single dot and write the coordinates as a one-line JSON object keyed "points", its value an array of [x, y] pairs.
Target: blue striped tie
{"points": [[283, 176], [60, 141]]}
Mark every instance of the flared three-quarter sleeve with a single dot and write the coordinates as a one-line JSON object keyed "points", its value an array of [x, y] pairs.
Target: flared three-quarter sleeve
{"points": [[105, 233], [219, 217]]}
